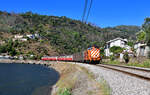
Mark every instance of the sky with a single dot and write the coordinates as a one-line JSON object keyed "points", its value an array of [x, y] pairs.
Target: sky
{"points": [[104, 13]]}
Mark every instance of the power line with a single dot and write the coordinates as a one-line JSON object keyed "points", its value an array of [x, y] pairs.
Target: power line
{"points": [[85, 8], [89, 10]]}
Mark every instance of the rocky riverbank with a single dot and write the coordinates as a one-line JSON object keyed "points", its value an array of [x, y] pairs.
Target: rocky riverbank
{"points": [[27, 61]]}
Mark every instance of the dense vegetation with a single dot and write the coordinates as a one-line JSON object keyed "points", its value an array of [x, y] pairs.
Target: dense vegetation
{"points": [[146, 29], [62, 34], [116, 49]]}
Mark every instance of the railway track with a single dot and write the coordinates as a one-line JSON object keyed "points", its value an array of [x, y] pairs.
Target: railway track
{"points": [[141, 73]]}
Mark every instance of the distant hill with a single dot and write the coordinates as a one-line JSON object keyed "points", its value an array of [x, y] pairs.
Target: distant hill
{"points": [[62, 34]]}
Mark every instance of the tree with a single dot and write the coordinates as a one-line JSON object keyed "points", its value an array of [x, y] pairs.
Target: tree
{"points": [[3, 49], [141, 36], [146, 28], [13, 52], [130, 43], [116, 49], [9, 45], [102, 53]]}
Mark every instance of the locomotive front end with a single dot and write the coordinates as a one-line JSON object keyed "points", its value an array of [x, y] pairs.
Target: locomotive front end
{"points": [[92, 55]]}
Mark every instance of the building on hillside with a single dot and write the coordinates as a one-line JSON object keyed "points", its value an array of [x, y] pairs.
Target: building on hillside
{"points": [[141, 49], [24, 39], [18, 36], [37, 35], [116, 42], [31, 36], [2, 42]]}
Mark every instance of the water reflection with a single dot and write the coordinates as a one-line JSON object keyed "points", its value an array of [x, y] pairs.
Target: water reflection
{"points": [[26, 79]]}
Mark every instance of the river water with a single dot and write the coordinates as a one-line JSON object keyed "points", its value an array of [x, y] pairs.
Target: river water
{"points": [[26, 79]]}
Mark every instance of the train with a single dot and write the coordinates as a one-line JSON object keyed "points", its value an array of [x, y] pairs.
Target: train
{"points": [[92, 55]]}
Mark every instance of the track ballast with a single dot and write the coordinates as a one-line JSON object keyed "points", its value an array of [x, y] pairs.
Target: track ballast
{"points": [[132, 71]]}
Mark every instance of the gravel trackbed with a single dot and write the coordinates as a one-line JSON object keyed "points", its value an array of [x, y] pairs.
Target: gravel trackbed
{"points": [[120, 84]]}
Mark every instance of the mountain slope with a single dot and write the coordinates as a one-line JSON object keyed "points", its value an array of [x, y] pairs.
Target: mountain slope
{"points": [[64, 35]]}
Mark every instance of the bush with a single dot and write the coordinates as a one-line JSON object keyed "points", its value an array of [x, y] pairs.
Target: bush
{"points": [[65, 92], [102, 53], [112, 57], [3, 49], [126, 57], [149, 54], [116, 49], [12, 52]]}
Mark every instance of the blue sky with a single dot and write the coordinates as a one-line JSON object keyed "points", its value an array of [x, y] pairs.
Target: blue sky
{"points": [[104, 13]]}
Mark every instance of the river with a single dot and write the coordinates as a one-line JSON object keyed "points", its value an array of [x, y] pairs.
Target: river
{"points": [[26, 79]]}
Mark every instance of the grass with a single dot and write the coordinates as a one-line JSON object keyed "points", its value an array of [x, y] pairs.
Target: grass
{"points": [[90, 74], [144, 64], [113, 62], [67, 79], [105, 87]]}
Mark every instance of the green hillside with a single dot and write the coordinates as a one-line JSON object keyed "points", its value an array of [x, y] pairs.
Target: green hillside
{"points": [[63, 35]]}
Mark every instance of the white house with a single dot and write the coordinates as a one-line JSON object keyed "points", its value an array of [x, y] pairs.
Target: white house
{"points": [[2, 42], [116, 42], [37, 35], [18, 36], [23, 39], [31, 36], [141, 49]]}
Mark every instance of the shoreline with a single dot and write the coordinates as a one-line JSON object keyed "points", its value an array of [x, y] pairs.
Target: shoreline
{"points": [[9, 61]]}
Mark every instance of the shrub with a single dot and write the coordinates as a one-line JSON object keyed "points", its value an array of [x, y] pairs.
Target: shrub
{"points": [[112, 57], [13, 52], [149, 54], [126, 57], [116, 49], [65, 92], [3, 49]]}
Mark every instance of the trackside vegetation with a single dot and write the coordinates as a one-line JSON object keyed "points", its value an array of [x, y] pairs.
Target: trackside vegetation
{"points": [[105, 87], [145, 64], [73, 78], [64, 91]]}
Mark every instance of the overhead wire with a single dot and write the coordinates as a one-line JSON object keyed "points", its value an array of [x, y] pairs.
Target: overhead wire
{"points": [[85, 8], [88, 13]]}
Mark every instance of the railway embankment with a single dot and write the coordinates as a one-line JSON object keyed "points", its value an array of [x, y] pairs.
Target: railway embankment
{"points": [[75, 80]]}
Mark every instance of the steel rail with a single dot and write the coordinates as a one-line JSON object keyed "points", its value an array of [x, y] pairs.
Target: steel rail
{"points": [[125, 72], [129, 67]]}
